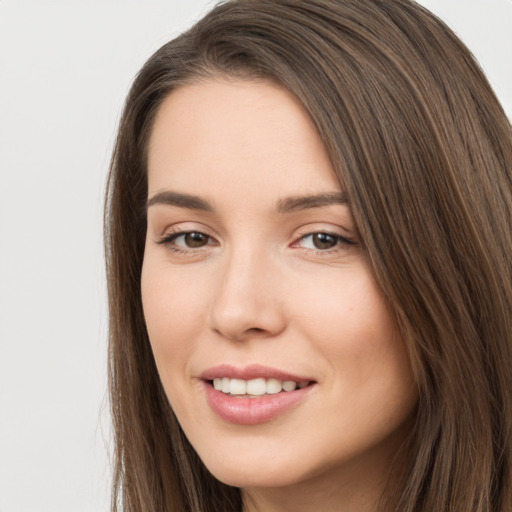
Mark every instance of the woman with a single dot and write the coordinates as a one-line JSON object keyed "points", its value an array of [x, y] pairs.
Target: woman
{"points": [[308, 248]]}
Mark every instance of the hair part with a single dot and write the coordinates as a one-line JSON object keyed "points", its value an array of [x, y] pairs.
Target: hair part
{"points": [[423, 149]]}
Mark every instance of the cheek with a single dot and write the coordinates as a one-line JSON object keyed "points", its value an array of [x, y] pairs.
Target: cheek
{"points": [[345, 313], [349, 324], [174, 311]]}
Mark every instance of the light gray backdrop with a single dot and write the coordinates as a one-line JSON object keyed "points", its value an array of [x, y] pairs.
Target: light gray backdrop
{"points": [[65, 67]]}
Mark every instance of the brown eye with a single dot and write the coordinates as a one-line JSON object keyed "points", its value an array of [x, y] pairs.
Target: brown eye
{"points": [[195, 239], [185, 240], [324, 241]]}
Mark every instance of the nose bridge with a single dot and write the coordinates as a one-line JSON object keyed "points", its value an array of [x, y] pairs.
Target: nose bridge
{"points": [[246, 300]]}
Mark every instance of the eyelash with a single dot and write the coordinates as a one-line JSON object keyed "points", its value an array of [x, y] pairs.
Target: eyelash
{"points": [[340, 241], [170, 239]]}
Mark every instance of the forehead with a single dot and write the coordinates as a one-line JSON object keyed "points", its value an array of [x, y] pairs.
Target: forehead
{"points": [[238, 133]]}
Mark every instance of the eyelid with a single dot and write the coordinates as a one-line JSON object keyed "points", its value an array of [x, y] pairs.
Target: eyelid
{"points": [[327, 228], [343, 242], [171, 236], [184, 226], [171, 233]]}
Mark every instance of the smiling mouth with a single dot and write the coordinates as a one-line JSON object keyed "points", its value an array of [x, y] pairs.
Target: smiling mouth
{"points": [[254, 394], [255, 388]]}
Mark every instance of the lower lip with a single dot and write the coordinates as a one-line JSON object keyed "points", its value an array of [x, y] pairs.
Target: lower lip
{"points": [[251, 411]]}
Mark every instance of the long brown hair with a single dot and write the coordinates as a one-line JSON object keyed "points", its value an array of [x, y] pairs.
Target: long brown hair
{"points": [[424, 150]]}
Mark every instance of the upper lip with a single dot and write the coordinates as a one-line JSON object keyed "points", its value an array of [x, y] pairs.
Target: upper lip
{"points": [[252, 371]]}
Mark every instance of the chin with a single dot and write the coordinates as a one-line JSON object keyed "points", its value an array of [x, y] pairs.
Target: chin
{"points": [[266, 468], [251, 477], [247, 470]]}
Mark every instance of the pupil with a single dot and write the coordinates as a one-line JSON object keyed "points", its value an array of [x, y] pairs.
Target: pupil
{"points": [[324, 241], [195, 239]]}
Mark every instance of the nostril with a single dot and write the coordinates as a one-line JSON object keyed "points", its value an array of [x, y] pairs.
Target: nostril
{"points": [[256, 330]]}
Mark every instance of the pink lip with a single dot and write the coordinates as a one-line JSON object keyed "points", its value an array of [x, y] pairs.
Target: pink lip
{"points": [[253, 371], [251, 411]]}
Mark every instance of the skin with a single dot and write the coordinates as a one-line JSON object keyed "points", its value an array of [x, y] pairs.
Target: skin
{"points": [[256, 289]]}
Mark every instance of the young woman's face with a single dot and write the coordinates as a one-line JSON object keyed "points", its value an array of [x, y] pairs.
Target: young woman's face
{"points": [[254, 281]]}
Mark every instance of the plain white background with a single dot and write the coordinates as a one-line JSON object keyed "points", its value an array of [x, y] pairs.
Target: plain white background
{"points": [[65, 67]]}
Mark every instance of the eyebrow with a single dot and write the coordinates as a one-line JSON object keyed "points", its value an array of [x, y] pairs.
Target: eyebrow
{"points": [[297, 203], [181, 200], [285, 205]]}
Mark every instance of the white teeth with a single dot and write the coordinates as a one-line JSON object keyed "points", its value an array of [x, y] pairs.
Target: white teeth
{"points": [[289, 385], [273, 386], [238, 387], [255, 387]]}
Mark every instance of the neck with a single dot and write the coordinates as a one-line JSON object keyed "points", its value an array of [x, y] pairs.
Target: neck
{"points": [[314, 499]]}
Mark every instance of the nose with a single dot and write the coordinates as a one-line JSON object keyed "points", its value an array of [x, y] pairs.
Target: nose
{"points": [[248, 302]]}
